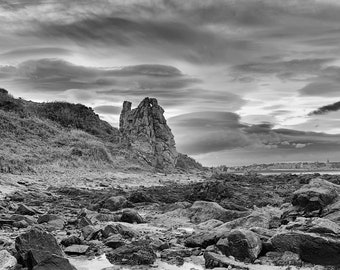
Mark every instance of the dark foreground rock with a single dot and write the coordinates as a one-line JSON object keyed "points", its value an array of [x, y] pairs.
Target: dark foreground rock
{"points": [[315, 196], [311, 247], [244, 245], [131, 216], [37, 248], [54, 262], [137, 253]]}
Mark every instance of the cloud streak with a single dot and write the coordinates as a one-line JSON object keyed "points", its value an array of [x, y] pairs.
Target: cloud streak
{"points": [[326, 109]]}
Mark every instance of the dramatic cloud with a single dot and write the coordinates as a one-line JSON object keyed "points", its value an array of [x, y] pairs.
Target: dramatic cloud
{"points": [[214, 65], [283, 69], [23, 53], [208, 132], [326, 109], [59, 75]]}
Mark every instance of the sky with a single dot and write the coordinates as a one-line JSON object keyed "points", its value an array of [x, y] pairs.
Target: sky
{"points": [[241, 81]]}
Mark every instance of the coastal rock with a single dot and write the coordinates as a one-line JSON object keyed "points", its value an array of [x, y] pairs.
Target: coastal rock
{"points": [[117, 228], [315, 225], [213, 260], [202, 211], [54, 221], [115, 203], [315, 196], [286, 258], [311, 247], [114, 241], [7, 261], [137, 253], [244, 245], [54, 262], [77, 249], [131, 216], [25, 210], [35, 247], [69, 241], [145, 129]]}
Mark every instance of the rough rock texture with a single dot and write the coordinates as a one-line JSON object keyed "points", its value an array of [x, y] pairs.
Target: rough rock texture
{"points": [[7, 261], [311, 247], [315, 195], [137, 253], [242, 244], [37, 247], [145, 129], [202, 211], [54, 262]]}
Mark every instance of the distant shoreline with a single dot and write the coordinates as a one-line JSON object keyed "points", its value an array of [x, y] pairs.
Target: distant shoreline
{"points": [[284, 171]]}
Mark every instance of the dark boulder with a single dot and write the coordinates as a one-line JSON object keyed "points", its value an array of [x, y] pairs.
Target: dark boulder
{"points": [[244, 245], [131, 216], [35, 247], [137, 253]]}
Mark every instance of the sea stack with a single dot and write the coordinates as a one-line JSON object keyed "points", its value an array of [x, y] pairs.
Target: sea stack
{"points": [[145, 129]]}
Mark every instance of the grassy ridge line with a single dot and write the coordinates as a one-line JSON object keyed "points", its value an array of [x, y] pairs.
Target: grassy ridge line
{"points": [[37, 137]]}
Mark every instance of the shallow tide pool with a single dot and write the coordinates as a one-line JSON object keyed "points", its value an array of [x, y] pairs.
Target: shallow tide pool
{"points": [[101, 263]]}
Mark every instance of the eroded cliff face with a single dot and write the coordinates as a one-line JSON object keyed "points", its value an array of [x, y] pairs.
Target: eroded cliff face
{"points": [[145, 129]]}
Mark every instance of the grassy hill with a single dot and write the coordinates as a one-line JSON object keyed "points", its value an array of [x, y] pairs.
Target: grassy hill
{"points": [[60, 137], [56, 137]]}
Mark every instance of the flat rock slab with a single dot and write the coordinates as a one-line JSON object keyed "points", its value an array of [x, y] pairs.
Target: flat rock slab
{"points": [[77, 249], [214, 260]]}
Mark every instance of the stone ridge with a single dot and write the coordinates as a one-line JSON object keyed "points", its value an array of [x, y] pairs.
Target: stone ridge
{"points": [[145, 129]]}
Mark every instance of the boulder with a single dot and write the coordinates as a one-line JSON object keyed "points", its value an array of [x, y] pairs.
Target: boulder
{"points": [[286, 258], [29, 219], [83, 221], [332, 212], [90, 232], [25, 210], [244, 245], [117, 228], [202, 211], [145, 129], [77, 249], [71, 240], [35, 246], [315, 225], [115, 203], [209, 224], [311, 247], [7, 261], [54, 262], [131, 216], [136, 253], [315, 196], [54, 221], [255, 219], [114, 241], [201, 239]]}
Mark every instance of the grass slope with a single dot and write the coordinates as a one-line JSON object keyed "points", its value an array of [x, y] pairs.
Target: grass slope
{"points": [[57, 137]]}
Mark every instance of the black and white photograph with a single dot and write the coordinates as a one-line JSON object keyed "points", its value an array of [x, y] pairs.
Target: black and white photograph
{"points": [[169, 134]]}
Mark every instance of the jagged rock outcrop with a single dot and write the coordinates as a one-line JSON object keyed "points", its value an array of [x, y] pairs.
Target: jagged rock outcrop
{"points": [[145, 129]]}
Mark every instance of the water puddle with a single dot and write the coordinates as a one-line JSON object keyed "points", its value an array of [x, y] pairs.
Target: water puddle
{"points": [[101, 263]]}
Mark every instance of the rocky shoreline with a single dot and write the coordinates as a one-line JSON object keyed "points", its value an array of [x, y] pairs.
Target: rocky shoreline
{"points": [[228, 221]]}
